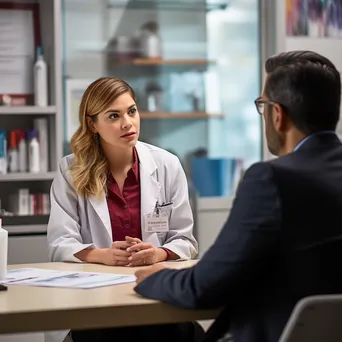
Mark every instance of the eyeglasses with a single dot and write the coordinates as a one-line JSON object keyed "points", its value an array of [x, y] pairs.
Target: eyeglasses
{"points": [[260, 104]]}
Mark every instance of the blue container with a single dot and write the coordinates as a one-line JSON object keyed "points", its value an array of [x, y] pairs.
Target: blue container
{"points": [[214, 177]]}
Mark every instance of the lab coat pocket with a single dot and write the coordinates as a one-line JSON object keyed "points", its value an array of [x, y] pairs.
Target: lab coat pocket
{"points": [[166, 210]]}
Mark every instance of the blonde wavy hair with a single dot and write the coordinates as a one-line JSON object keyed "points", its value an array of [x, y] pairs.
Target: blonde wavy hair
{"points": [[89, 169]]}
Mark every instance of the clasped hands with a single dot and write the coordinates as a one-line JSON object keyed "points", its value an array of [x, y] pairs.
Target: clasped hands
{"points": [[133, 252]]}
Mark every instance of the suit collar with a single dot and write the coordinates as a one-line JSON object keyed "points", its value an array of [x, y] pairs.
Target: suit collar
{"points": [[318, 141], [307, 138]]}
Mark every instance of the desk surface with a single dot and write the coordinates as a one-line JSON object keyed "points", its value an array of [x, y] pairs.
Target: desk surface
{"points": [[25, 308]]}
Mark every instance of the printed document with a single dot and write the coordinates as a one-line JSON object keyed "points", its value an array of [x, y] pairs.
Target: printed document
{"points": [[66, 279]]}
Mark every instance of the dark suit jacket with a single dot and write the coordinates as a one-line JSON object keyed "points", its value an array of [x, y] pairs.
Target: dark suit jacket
{"points": [[282, 242]]}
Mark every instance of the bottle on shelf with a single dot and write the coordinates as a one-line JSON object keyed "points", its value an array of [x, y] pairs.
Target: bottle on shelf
{"points": [[34, 158], [3, 152], [22, 147], [150, 41], [13, 156], [41, 126], [154, 97], [40, 80]]}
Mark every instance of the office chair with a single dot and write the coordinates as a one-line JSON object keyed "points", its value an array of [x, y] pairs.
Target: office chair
{"points": [[315, 319]]}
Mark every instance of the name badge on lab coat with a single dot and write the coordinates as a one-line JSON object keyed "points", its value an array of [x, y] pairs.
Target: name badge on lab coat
{"points": [[156, 223]]}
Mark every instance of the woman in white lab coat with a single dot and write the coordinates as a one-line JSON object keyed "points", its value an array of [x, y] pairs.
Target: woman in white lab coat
{"points": [[107, 191]]}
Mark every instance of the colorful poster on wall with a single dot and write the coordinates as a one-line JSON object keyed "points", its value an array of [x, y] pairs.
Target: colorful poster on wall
{"points": [[314, 18]]}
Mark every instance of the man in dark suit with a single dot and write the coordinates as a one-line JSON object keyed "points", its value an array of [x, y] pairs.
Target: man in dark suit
{"points": [[283, 237]]}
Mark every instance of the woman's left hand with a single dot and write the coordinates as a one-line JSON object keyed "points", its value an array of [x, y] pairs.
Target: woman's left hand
{"points": [[144, 253]]}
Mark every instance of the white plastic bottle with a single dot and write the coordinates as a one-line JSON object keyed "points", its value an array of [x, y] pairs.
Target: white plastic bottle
{"points": [[22, 148], [153, 49], [40, 80], [34, 162], [41, 126], [151, 43], [3, 252]]}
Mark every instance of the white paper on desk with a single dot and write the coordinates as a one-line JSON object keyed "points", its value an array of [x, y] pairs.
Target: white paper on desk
{"points": [[28, 273], [65, 279]]}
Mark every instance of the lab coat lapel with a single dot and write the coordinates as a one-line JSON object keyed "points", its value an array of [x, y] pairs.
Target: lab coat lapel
{"points": [[150, 189], [101, 208]]}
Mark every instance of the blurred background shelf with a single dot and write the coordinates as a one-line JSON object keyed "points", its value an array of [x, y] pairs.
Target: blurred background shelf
{"points": [[26, 176], [186, 115], [176, 5], [26, 229], [20, 110], [161, 62], [30, 220]]}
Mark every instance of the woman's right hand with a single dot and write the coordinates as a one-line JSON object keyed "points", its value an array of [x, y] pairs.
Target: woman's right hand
{"points": [[117, 254]]}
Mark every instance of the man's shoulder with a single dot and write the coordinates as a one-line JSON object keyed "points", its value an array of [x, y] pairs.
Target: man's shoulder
{"points": [[291, 162], [268, 167], [260, 170], [258, 177]]}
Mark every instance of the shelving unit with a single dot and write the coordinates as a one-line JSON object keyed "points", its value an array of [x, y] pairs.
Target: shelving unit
{"points": [[161, 62], [189, 115], [170, 5], [28, 177], [19, 230], [27, 242]]}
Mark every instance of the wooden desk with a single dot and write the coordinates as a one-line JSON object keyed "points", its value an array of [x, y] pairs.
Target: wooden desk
{"points": [[25, 308]]}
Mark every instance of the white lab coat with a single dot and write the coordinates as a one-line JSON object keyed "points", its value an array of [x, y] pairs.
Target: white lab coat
{"points": [[77, 223]]}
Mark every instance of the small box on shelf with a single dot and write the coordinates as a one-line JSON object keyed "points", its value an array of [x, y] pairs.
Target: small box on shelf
{"points": [[25, 203]]}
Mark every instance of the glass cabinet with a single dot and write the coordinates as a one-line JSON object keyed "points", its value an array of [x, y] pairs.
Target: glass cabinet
{"points": [[194, 65]]}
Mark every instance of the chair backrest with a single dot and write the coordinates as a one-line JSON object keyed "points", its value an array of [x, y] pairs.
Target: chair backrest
{"points": [[315, 319]]}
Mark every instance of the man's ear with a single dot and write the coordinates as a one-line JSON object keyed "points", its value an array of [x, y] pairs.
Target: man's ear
{"points": [[91, 124], [280, 119]]}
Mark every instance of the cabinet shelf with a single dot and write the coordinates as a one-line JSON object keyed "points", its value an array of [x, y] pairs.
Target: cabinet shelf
{"points": [[175, 5], [30, 222], [27, 110], [25, 229], [25, 176], [185, 115], [161, 62]]}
